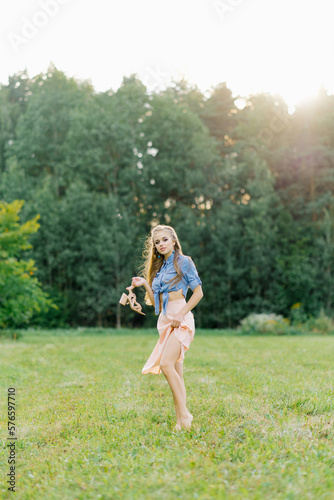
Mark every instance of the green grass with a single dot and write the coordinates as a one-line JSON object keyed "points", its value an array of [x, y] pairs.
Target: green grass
{"points": [[91, 426]]}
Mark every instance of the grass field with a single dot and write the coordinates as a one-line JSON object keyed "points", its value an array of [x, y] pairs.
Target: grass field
{"points": [[91, 426]]}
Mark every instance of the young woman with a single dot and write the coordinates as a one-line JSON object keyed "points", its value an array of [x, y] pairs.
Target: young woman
{"points": [[167, 276]]}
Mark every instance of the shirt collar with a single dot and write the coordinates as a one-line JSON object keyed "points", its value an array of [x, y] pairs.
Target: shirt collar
{"points": [[170, 258]]}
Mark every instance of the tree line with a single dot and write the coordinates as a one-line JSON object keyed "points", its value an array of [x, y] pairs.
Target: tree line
{"points": [[247, 186]]}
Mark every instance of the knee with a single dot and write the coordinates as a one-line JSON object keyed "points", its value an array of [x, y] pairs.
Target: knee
{"points": [[166, 367]]}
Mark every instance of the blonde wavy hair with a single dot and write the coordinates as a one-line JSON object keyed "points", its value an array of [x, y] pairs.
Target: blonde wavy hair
{"points": [[152, 262]]}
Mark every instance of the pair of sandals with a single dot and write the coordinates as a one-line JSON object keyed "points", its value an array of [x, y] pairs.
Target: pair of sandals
{"points": [[132, 299]]}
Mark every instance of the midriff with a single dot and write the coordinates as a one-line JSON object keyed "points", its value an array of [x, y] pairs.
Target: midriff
{"points": [[173, 296]]}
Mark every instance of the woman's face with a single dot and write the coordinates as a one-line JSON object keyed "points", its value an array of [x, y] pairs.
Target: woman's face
{"points": [[164, 243]]}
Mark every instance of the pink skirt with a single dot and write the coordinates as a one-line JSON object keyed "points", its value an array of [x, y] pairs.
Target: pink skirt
{"points": [[184, 333]]}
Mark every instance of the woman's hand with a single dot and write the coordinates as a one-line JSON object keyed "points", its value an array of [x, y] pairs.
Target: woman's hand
{"points": [[176, 320], [138, 281]]}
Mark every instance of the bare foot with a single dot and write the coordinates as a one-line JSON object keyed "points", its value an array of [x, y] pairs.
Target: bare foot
{"points": [[183, 422], [186, 422], [190, 417]]}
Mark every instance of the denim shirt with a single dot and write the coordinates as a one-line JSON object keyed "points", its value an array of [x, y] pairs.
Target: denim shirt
{"points": [[190, 279]]}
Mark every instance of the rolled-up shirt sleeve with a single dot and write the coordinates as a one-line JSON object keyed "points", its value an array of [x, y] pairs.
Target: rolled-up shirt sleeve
{"points": [[190, 274]]}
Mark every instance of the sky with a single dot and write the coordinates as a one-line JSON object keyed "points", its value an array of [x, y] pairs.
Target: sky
{"points": [[282, 47]]}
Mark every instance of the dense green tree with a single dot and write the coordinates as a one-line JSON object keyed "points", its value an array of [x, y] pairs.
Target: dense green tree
{"points": [[86, 250], [20, 292], [177, 163], [42, 130], [219, 114], [248, 190], [102, 141], [240, 235], [13, 103]]}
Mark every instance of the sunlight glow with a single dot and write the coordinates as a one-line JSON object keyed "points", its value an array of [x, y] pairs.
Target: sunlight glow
{"points": [[279, 46]]}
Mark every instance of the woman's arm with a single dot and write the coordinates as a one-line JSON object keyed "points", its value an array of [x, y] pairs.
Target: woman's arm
{"points": [[138, 281], [192, 302]]}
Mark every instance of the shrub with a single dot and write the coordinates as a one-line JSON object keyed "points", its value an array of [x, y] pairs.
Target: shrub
{"points": [[322, 324], [264, 323], [298, 315]]}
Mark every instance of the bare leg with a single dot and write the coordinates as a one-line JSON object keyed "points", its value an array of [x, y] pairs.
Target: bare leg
{"points": [[178, 416], [179, 369], [167, 365]]}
